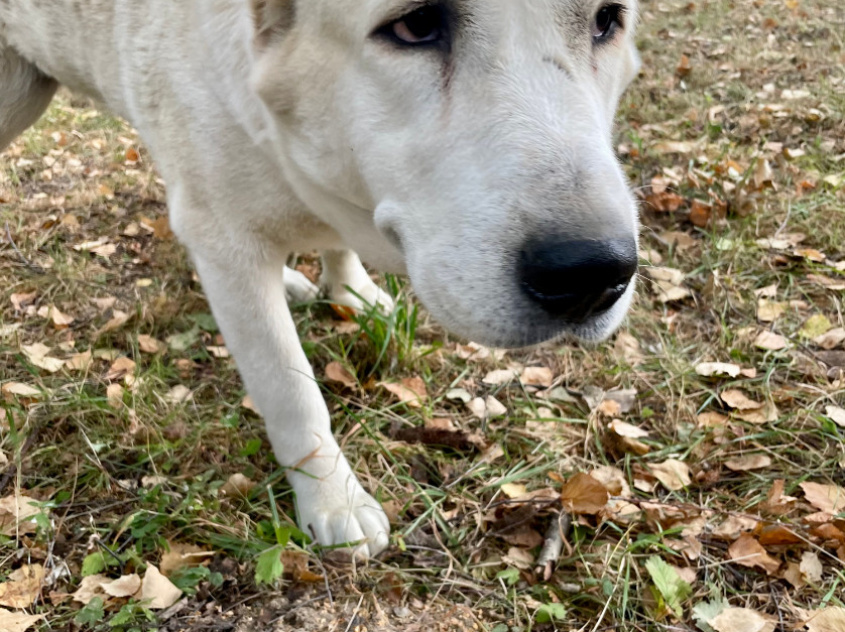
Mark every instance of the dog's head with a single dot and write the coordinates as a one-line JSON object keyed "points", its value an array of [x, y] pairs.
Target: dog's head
{"points": [[475, 135]]}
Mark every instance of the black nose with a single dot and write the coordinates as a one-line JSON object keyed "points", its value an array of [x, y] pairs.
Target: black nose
{"points": [[574, 280]]}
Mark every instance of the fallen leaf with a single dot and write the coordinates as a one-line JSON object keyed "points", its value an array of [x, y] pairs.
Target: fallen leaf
{"points": [[513, 490], [536, 376], [117, 321], [18, 621], [748, 462], [717, 369], [836, 415], [124, 586], [769, 311], [158, 591], [179, 394], [831, 339], [741, 620], [830, 619], [815, 326], [148, 344], [684, 67], [12, 390], [336, 372], [735, 398], [673, 474], [583, 494], [495, 408], [411, 391], [747, 551], [22, 586], [120, 368], [16, 512], [37, 355], [79, 361], [499, 377], [827, 498], [237, 485], [181, 556], [811, 567], [114, 395], [770, 341]]}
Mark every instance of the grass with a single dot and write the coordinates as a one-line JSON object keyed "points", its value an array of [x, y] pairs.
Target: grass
{"points": [[125, 464]]}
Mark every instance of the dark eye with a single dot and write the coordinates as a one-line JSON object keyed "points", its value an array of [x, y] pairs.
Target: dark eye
{"points": [[608, 19], [425, 25]]}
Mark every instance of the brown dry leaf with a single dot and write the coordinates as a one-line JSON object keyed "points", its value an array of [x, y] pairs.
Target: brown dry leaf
{"points": [[836, 415], [21, 300], [767, 413], [296, 565], [684, 66], [117, 321], [157, 590], [628, 348], [675, 147], [811, 254], [811, 567], [500, 376], [537, 376], [15, 515], [734, 526], [769, 311], [741, 620], [665, 201], [748, 462], [37, 355], [18, 621], [122, 587], [628, 436], [79, 361], [179, 394], [827, 498], [770, 341], [494, 407], [22, 586], [583, 494], [237, 485], [831, 339], [747, 551], [717, 369], [673, 474], [711, 419], [336, 372], [738, 400], [514, 490], [182, 556], [120, 368], [763, 176], [18, 390], [249, 404], [114, 396], [613, 479], [827, 620], [60, 320], [411, 391], [148, 344], [701, 213]]}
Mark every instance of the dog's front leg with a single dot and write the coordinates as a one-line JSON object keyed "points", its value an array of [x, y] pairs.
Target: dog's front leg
{"points": [[247, 295]]}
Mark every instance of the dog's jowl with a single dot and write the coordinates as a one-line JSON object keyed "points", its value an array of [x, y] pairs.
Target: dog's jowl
{"points": [[464, 142]]}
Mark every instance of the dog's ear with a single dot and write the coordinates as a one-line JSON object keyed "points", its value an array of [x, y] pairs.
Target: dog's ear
{"points": [[272, 18]]}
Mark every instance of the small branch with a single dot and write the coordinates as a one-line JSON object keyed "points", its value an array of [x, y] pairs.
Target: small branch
{"points": [[552, 548]]}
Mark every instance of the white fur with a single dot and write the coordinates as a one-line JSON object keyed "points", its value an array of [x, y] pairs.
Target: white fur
{"points": [[321, 137]]}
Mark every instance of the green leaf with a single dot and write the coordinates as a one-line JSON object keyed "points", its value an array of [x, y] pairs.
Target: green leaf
{"points": [[673, 589], [549, 612], [93, 564], [510, 575], [705, 611], [205, 322], [181, 342], [92, 613], [269, 567]]}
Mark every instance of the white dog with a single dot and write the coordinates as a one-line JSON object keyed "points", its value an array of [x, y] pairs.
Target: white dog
{"points": [[465, 142]]}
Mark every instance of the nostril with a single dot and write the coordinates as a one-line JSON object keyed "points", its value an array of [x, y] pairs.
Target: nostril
{"points": [[576, 279]]}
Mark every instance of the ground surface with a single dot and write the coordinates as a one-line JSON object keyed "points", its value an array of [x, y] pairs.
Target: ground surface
{"points": [[123, 417]]}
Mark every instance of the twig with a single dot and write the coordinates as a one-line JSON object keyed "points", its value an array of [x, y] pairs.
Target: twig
{"points": [[553, 546], [23, 259]]}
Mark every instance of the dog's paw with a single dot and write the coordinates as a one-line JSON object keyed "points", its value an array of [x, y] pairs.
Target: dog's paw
{"points": [[371, 294], [353, 520], [298, 288]]}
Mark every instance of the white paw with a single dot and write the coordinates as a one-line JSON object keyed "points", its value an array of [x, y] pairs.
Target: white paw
{"points": [[298, 288], [371, 294], [337, 512]]}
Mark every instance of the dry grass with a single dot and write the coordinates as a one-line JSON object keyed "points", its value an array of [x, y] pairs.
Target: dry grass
{"points": [[461, 551]]}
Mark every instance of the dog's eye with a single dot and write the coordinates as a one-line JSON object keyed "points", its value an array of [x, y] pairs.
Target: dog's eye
{"points": [[608, 20], [425, 25]]}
